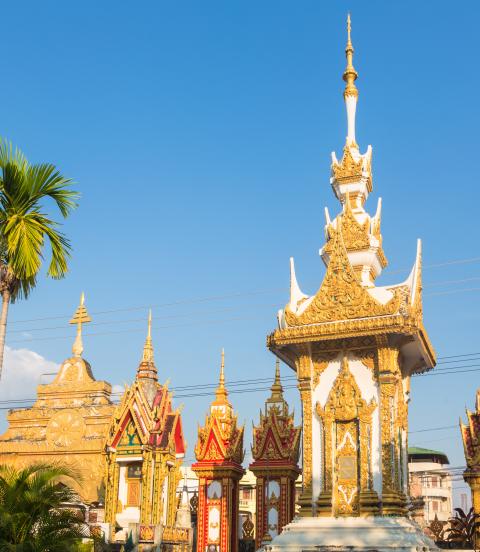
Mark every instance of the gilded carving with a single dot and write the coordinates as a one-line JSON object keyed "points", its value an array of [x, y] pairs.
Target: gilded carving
{"points": [[356, 236], [341, 295], [306, 397], [349, 170], [320, 364], [367, 357], [346, 416]]}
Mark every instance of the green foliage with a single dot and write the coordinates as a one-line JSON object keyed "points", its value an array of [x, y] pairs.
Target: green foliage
{"points": [[24, 226], [462, 527], [129, 546], [32, 518]]}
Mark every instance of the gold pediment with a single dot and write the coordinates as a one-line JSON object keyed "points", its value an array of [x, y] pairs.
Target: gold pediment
{"points": [[341, 295], [345, 400], [349, 170], [356, 236]]}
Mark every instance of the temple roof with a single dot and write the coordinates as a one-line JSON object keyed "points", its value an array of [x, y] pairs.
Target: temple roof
{"points": [[419, 454], [276, 439], [145, 417], [471, 436], [220, 440]]}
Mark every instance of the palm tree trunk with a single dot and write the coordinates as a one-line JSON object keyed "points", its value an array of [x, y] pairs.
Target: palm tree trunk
{"points": [[3, 325]]}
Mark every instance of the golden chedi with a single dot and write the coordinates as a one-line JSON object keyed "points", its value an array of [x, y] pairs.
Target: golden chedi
{"points": [[67, 423], [354, 347]]}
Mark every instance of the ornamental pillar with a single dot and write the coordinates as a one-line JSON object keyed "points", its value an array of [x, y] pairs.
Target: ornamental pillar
{"points": [[111, 489], [219, 454], [393, 499], [305, 387], [473, 479]]}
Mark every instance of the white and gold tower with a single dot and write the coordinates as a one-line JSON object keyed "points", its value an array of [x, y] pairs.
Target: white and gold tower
{"points": [[354, 347]]}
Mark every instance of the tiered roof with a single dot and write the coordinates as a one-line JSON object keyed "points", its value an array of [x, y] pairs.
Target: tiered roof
{"points": [[220, 441], [471, 436], [348, 303], [276, 439], [146, 417]]}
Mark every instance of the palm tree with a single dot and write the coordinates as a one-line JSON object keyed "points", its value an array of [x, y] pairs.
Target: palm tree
{"points": [[32, 518], [24, 226]]}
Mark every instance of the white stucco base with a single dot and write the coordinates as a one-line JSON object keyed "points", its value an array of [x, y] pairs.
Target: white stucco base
{"points": [[322, 534]]}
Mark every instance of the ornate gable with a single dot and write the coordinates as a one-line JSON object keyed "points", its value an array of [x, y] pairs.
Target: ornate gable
{"points": [[276, 438], [221, 439], [341, 295], [471, 437], [345, 400]]}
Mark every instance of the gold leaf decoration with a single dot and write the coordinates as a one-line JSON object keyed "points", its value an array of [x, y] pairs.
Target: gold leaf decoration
{"points": [[341, 296]]}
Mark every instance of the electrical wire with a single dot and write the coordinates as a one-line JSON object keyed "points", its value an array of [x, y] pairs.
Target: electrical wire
{"points": [[208, 388], [252, 293]]}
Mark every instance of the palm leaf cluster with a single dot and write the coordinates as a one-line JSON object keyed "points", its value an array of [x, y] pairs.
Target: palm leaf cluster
{"points": [[26, 228], [24, 224], [463, 527], [34, 512]]}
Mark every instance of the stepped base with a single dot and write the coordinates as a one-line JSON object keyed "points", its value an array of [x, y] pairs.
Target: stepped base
{"points": [[372, 534]]}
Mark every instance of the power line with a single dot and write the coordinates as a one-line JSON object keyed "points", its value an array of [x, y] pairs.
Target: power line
{"points": [[161, 305], [251, 293], [209, 388], [449, 292], [433, 429], [167, 317]]}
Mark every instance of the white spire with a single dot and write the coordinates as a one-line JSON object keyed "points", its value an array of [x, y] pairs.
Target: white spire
{"points": [[350, 93]]}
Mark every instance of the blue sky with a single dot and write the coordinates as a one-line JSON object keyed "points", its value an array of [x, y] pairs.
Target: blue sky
{"points": [[199, 134]]}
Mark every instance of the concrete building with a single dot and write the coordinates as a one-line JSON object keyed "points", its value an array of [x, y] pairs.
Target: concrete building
{"points": [[431, 481]]}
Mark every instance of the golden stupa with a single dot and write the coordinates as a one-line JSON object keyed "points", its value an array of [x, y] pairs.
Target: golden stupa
{"points": [[68, 422]]}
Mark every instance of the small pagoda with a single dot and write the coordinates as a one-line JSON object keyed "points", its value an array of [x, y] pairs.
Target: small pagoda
{"points": [[219, 453], [144, 450], [354, 346], [275, 451]]}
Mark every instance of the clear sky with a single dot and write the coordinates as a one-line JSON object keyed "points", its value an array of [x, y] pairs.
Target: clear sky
{"points": [[199, 134]]}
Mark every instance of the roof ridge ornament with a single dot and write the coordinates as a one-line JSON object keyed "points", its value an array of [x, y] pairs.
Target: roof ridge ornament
{"points": [[80, 317], [147, 368], [147, 355], [222, 393], [277, 388]]}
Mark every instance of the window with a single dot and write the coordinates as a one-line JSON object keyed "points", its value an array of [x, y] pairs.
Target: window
{"points": [[247, 494], [435, 506]]}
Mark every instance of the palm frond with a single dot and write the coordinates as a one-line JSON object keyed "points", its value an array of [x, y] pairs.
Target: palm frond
{"points": [[45, 180], [9, 154]]}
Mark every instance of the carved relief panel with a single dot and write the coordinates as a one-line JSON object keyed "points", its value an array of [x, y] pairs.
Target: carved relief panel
{"points": [[346, 420]]}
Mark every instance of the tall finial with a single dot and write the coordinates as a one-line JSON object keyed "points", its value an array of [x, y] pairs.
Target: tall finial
{"points": [[80, 317], [277, 389], [221, 393], [350, 93], [146, 369], [148, 347]]}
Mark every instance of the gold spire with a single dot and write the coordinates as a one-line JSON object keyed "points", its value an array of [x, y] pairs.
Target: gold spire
{"points": [[147, 367], [80, 317], [221, 393], [148, 347], [277, 389], [349, 75]]}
